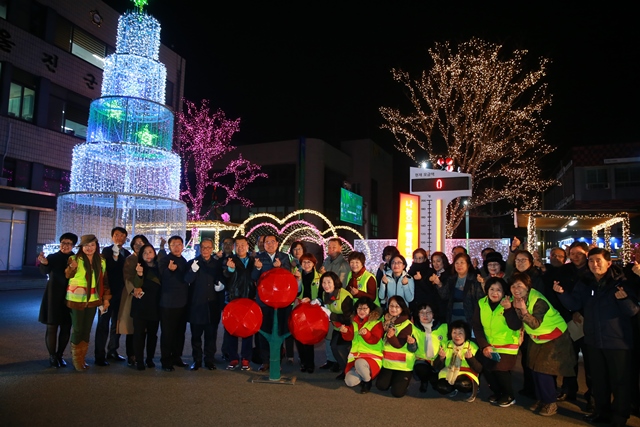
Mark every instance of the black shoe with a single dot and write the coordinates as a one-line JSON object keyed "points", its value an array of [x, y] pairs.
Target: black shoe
{"points": [[168, 368], [61, 361], [423, 386], [195, 366], [179, 363], [140, 366], [365, 387], [493, 398], [101, 362], [303, 368], [340, 376], [597, 418], [210, 366], [328, 365], [115, 356], [310, 370], [150, 363], [131, 360], [335, 368], [53, 361]]}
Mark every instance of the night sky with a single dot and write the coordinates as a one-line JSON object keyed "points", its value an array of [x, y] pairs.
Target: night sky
{"points": [[322, 69]]}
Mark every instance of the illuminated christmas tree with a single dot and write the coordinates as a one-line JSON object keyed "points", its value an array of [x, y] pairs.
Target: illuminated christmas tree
{"points": [[125, 174]]}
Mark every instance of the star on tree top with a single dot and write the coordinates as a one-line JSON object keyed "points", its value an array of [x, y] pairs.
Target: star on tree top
{"points": [[140, 4]]}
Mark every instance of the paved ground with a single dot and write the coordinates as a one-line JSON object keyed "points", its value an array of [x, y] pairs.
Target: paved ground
{"points": [[31, 394]]}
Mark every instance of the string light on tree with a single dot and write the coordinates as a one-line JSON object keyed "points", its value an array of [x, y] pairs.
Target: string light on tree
{"points": [[480, 106], [204, 138]]}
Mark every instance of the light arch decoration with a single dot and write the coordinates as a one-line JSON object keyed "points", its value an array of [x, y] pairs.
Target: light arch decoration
{"points": [[290, 229]]}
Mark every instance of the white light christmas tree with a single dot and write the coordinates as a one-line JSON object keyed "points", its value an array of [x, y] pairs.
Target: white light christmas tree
{"points": [[125, 174]]}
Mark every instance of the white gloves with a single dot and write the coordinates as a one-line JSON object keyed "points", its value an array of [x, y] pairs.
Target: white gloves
{"points": [[116, 250], [316, 302], [194, 266], [327, 311], [219, 287]]}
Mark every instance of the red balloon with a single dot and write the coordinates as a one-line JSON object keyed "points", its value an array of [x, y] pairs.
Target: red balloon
{"points": [[277, 288], [308, 323], [242, 317]]}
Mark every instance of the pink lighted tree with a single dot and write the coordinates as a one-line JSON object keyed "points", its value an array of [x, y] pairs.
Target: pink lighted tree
{"points": [[203, 139]]}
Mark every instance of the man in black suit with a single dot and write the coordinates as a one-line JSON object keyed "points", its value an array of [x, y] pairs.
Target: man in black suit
{"points": [[114, 256]]}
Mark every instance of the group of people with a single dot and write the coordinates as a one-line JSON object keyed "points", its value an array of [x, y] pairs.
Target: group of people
{"points": [[447, 325]]}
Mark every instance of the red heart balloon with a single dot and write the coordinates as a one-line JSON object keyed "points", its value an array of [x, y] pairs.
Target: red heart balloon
{"points": [[308, 323], [242, 317], [277, 288]]}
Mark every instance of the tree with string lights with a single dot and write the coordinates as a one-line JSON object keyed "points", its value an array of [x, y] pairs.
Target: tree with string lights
{"points": [[204, 137], [480, 106]]}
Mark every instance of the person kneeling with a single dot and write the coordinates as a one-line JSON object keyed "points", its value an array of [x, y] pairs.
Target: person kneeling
{"points": [[365, 334], [458, 366]]}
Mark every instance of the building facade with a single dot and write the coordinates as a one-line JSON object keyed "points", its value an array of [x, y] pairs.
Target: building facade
{"points": [[308, 173], [51, 59]]}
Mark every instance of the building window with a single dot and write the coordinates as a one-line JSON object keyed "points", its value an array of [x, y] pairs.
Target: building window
{"points": [[374, 225], [21, 102], [597, 179], [627, 176], [68, 112], [80, 43]]}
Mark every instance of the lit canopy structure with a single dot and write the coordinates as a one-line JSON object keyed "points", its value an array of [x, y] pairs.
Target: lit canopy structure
{"points": [[578, 220]]}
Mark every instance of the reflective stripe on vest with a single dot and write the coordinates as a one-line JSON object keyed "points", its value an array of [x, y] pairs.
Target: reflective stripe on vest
{"points": [[552, 325], [504, 339], [399, 359]]}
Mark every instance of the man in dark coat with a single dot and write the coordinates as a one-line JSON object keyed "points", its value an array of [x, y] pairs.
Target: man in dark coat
{"points": [[265, 261], [608, 305], [239, 284], [204, 310], [174, 295], [114, 256]]}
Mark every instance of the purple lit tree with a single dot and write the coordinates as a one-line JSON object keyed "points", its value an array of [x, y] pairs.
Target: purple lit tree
{"points": [[203, 139]]}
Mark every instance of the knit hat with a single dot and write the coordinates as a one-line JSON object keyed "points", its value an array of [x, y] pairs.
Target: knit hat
{"points": [[88, 238], [495, 257]]}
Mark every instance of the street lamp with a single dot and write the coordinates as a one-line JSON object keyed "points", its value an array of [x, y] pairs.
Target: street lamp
{"points": [[466, 221]]}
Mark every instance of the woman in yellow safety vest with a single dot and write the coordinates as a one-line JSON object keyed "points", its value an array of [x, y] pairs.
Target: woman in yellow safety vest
{"points": [[550, 351], [340, 304], [497, 330], [308, 285], [88, 289], [456, 361], [429, 334], [399, 348], [365, 333]]}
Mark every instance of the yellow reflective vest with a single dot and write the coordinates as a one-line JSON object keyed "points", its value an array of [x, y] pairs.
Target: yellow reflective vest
{"points": [[450, 348], [78, 291], [399, 359], [552, 325], [361, 349], [362, 284], [502, 338], [438, 335]]}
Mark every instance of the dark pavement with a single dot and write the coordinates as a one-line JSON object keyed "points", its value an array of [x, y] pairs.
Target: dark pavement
{"points": [[32, 394]]}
